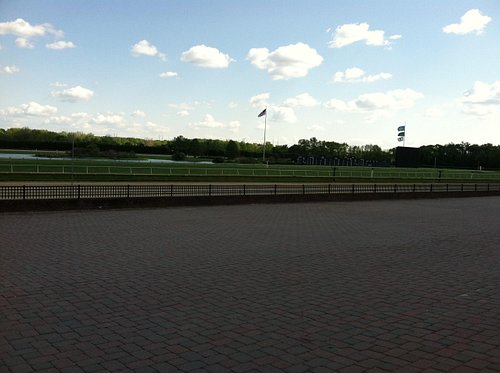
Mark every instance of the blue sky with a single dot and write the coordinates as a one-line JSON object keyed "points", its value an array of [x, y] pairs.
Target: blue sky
{"points": [[347, 71]]}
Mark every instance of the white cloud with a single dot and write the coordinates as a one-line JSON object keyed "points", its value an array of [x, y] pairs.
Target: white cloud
{"points": [[24, 43], [354, 32], [302, 100], [155, 127], [483, 93], [25, 31], [162, 56], [184, 108], [9, 69], [234, 125], [391, 100], [315, 127], [168, 74], [377, 77], [434, 112], [58, 85], [210, 122], [339, 105], [145, 48], [260, 100], [58, 45], [357, 75], [32, 109], [378, 102], [354, 73], [74, 94], [286, 62], [482, 100], [104, 124], [139, 113], [107, 118], [58, 120], [81, 115], [471, 21], [201, 55], [282, 114], [259, 57]]}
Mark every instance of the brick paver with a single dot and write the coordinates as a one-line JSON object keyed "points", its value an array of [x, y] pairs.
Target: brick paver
{"points": [[375, 286]]}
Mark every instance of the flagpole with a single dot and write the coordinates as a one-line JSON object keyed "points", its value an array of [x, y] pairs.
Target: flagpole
{"points": [[404, 137], [265, 127]]}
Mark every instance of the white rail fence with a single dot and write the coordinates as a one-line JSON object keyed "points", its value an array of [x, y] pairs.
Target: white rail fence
{"points": [[424, 174]]}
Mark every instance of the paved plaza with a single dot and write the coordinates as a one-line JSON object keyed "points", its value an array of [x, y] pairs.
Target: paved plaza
{"points": [[409, 286]]}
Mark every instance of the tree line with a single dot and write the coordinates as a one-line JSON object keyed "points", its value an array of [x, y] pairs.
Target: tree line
{"points": [[307, 151]]}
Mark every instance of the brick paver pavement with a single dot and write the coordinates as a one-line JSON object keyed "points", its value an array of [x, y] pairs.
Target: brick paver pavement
{"points": [[406, 286]]}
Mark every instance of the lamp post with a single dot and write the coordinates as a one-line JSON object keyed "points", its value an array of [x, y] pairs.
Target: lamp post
{"points": [[72, 159]]}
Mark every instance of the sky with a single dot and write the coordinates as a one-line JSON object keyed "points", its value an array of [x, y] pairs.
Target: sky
{"points": [[347, 70]]}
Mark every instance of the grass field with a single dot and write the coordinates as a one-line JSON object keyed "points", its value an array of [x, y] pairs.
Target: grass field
{"points": [[41, 169]]}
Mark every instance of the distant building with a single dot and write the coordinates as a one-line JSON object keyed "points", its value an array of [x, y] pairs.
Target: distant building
{"points": [[407, 157]]}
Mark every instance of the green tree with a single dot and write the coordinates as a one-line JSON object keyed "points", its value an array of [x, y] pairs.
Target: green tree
{"points": [[195, 148], [178, 156], [232, 149]]}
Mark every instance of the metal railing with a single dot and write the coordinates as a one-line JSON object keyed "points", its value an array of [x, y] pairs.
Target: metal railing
{"points": [[44, 192]]}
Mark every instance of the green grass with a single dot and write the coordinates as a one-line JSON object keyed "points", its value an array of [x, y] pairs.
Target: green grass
{"points": [[109, 170], [16, 151]]}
